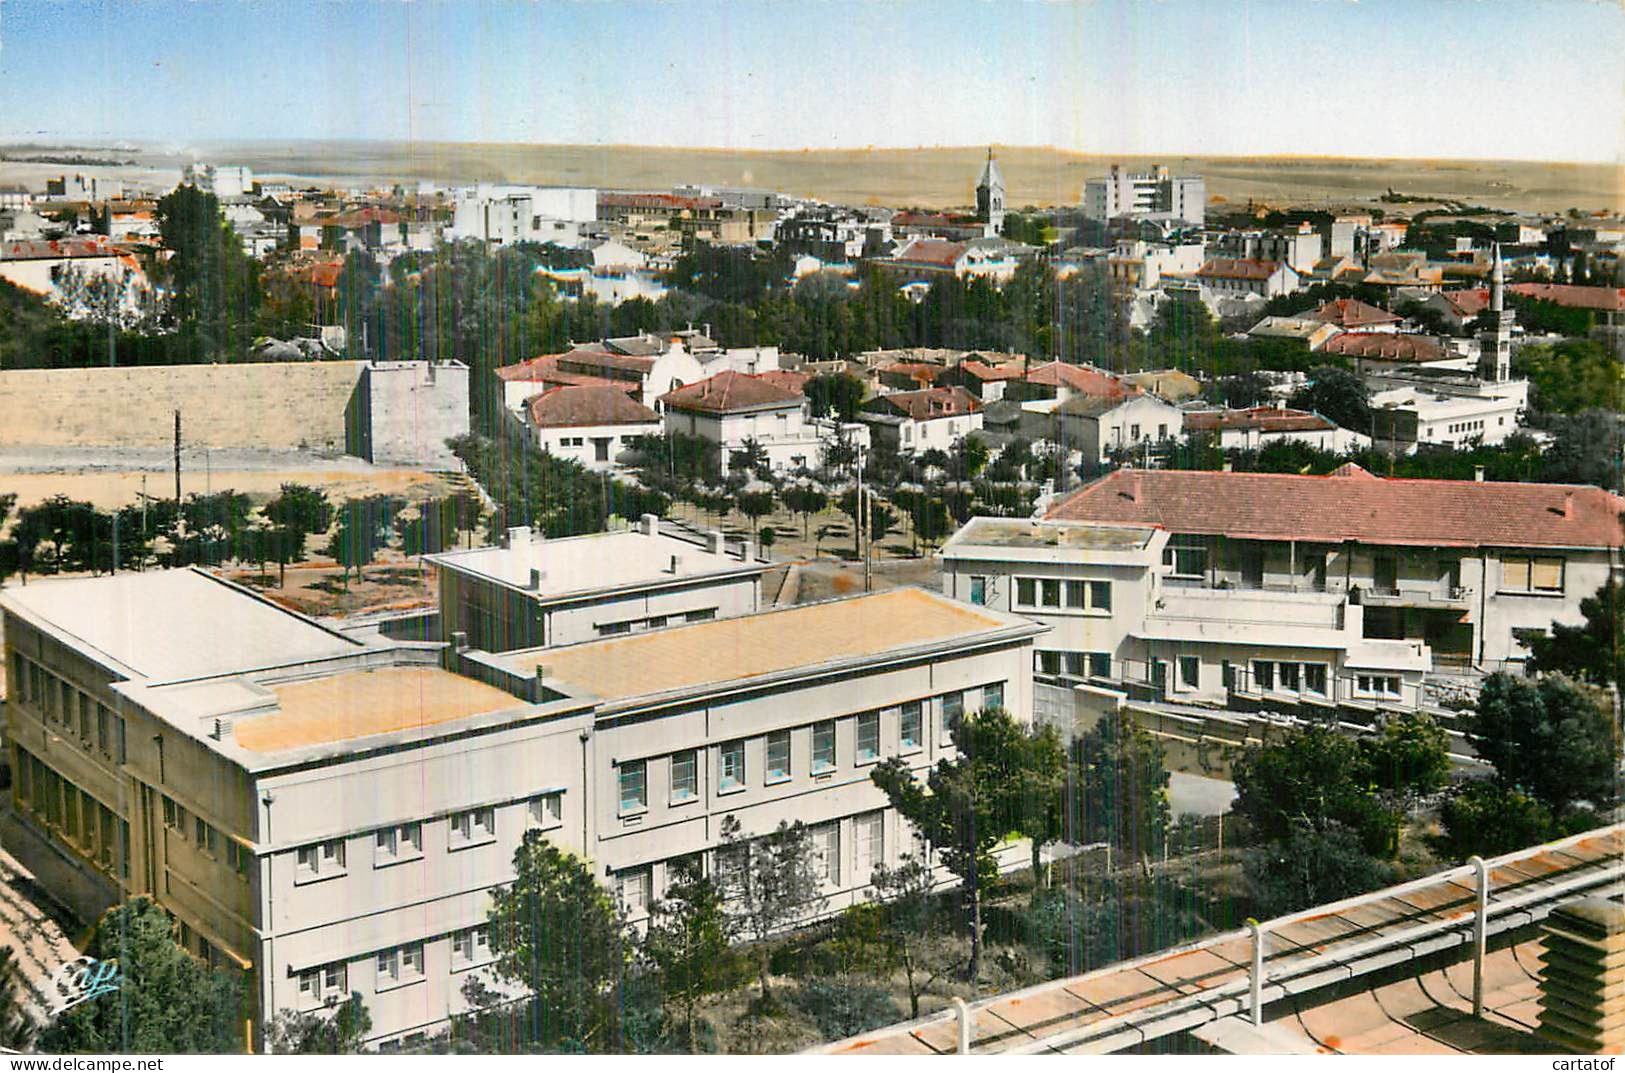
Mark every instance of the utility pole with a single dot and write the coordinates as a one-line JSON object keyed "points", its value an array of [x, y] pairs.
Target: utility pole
{"points": [[862, 522], [177, 461]]}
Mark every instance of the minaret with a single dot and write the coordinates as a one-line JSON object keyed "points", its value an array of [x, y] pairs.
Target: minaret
{"points": [[1495, 341], [990, 196]]}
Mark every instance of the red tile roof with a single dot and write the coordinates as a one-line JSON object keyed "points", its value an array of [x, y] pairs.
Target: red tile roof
{"points": [[1237, 268], [1353, 313], [977, 370], [1263, 418], [731, 392], [52, 248], [1470, 302], [571, 407], [925, 405], [935, 252], [1611, 299], [1388, 346], [1078, 378], [788, 379], [1352, 504]]}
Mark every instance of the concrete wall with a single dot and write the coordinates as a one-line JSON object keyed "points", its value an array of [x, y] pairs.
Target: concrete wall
{"points": [[413, 408], [248, 405]]}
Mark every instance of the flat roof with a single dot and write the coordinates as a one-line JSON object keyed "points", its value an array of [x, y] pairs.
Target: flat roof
{"points": [[173, 624], [361, 703], [756, 646], [595, 562], [1036, 533]]}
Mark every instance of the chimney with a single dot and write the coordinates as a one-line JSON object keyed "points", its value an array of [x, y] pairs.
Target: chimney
{"points": [[1132, 484], [675, 562], [1229, 467], [518, 535], [535, 580], [1568, 507], [1583, 974], [745, 547], [713, 542], [1478, 473], [459, 641], [651, 525]]}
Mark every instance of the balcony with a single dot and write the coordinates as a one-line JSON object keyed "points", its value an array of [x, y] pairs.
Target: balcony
{"points": [[1424, 594], [1253, 616]]}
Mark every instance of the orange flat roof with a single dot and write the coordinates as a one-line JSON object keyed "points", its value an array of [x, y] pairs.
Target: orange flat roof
{"points": [[362, 703]]}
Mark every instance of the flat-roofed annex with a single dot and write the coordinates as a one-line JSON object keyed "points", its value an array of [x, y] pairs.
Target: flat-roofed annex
{"points": [[173, 624], [362, 703], [1033, 533], [725, 651], [591, 563]]}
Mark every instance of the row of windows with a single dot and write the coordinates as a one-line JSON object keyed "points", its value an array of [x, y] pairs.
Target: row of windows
{"points": [[655, 622], [71, 708], [95, 830], [205, 838], [1290, 677], [398, 843], [1466, 426], [1057, 593], [1073, 664], [633, 775], [394, 967], [635, 886]]}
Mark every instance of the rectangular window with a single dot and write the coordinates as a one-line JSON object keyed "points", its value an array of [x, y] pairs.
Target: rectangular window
{"points": [[909, 726], [827, 843], [1264, 673], [634, 886], [978, 590], [731, 768], [318, 985], [1049, 592], [1546, 575], [104, 730], [704, 614], [1188, 558], [634, 786], [953, 706], [1190, 672], [1026, 592], [1100, 664], [1077, 594], [868, 737], [318, 861], [472, 827], [401, 843], [19, 678], [868, 843], [87, 717], [169, 813], [1100, 595], [823, 747], [1314, 678], [547, 811], [239, 858], [1047, 662], [470, 947], [1289, 676], [685, 776], [993, 695], [778, 756]]}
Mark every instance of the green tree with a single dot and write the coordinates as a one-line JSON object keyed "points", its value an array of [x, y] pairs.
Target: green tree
{"points": [[1549, 739], [167, 1001], [1311, 866], [803, 499], [340, 1029], [688, 942], [1038, 796], [213, 285], [1120, 785], [301, 508], [1311, 779], [556, 933], [1485, 818], [767, 537], [837, 393], [10, 561], [1593, 651], [963, 806], [969, 458], [17, 1027], [771, 883], [756, 506], [1338, 395], [1572, 375], [907, 923], [751, 457]]}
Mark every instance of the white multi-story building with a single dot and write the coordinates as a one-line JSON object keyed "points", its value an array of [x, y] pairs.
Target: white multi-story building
{"points": [[504, 215], [593, 424], [1153, 196], [221, 180], [732, 407], [912, 421], [1339, 590], [329, 815], [532, 592], [1099, 425], [1412, 412]]}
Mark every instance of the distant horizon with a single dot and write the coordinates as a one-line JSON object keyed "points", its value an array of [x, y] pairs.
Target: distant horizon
{"points": [[168, 147]]}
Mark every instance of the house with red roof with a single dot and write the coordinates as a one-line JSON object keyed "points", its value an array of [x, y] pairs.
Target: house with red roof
{"points": [[1060, 381], [59, 269], [1374, 352], [1259, 426], [594, 424], [1232, 277], [733, 409], [911, 421], [1330, 594], [1353, 315]]}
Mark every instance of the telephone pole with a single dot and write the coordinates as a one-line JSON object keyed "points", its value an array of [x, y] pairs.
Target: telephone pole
{"points": [[177, 460]]}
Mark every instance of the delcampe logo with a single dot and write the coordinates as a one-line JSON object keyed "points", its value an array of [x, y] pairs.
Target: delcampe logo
{"points": [[81, 980]]}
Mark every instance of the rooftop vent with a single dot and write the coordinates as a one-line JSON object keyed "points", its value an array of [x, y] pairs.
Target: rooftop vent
{"points": [[1582, 987]]}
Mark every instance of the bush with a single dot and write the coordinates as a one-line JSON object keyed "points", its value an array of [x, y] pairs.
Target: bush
{"points": [[1311, 867], [842, 1006]]}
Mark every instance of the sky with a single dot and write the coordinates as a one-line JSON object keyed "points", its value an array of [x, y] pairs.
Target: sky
{"points": [[1509, 79]]}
